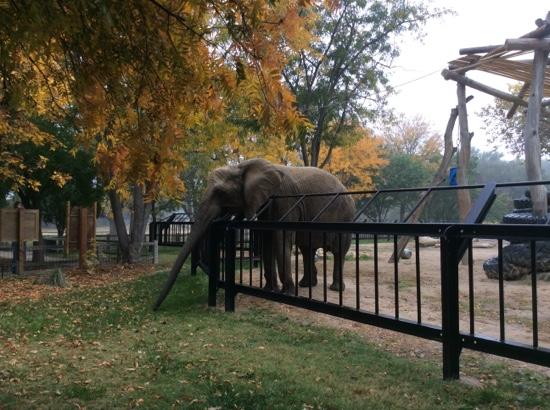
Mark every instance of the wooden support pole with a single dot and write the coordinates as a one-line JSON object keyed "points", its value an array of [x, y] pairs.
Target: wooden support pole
{"points": [[463, 80], [477, 50], [527, 44], [464, 200], [82, 236], [438, 178], [531, 134]]}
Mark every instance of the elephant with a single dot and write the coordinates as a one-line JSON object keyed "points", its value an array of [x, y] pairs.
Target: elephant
{"points": [[242, 189]]}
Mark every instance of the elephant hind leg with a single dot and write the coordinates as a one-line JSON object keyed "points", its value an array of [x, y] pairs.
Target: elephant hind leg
{"points": [[337, 278], [310, 271], [270, 271], [283, 250]]}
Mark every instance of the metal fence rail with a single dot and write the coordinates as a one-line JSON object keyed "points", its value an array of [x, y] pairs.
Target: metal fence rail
{"points": [[52, 256], [362, 300]]}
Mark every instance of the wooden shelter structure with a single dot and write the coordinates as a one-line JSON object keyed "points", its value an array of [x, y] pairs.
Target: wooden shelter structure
{"points": [[524, 59]]}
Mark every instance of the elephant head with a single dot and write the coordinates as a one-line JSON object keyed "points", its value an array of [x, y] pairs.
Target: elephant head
{"points": [[237, 190]]}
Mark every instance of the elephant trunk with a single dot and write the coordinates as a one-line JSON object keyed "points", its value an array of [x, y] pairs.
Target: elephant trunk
{"points": [[206, 215]]}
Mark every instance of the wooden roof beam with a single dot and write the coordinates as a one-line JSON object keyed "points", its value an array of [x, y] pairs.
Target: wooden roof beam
{"points": [[451, 75], [527, 44], [478, 50], [521, 94]]}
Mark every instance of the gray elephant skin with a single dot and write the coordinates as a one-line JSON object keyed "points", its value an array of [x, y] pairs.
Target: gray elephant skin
{"points": [[242, 189]]}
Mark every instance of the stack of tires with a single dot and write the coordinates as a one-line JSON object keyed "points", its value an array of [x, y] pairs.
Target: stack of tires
{"points": [[522, 213]]}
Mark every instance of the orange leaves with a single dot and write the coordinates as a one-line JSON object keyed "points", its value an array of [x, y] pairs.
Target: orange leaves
{"points": [[146, 81], [356, 164]]}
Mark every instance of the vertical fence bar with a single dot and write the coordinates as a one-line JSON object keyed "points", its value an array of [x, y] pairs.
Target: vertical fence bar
{"points": [[534, 294], [261, 247], [250, 260], [230, 269], [501, 292], [324, 267], [418, 291], [223, 265], [283, 262], [396, 276], [241, 255], [340, 263], [449, 306], [376, 294], [471, 298], [357, 285], [296, 267], [213, 264], [311, 265]]}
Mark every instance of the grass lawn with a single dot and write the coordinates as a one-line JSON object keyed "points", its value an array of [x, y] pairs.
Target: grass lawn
{"points": [[104, 348]]}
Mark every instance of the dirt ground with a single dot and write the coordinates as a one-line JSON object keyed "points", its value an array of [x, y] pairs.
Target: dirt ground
{"points": [[517, 297]]}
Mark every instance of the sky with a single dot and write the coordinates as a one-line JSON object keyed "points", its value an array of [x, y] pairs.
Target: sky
{"points": [[475, 23]]}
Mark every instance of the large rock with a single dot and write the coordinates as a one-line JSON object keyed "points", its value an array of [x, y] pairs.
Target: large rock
{"points": [[427, 241], [516, 261]]}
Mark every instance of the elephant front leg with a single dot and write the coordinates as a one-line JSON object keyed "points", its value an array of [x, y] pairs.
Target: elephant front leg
{"points": [[284, 247], [310, 271], [337, 279], [268, 259]]}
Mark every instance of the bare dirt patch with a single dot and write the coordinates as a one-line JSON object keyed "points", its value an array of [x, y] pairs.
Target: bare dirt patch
{"points": [[518, 316]]}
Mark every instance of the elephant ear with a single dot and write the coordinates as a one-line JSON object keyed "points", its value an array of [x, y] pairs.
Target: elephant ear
{"points": [[260, 180]]}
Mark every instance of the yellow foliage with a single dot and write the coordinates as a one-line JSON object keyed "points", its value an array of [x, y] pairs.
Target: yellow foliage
{"points": [[356, 164], [147, 78]]}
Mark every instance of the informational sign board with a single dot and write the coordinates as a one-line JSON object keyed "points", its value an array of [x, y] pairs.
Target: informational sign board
{"points": [[19, 225]]}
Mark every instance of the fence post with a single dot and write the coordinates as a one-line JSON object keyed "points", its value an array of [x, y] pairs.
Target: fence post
{"points": [[21, 252], [213, 263], [82, 237], [230, 250], [67, 228], [450, 258]]}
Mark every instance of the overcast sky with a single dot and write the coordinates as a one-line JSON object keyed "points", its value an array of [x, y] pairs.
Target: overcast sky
{"points": [[476, 23]]}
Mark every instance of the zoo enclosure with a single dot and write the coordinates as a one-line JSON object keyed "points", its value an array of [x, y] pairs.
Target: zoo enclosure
{"points": [[230, 269]]}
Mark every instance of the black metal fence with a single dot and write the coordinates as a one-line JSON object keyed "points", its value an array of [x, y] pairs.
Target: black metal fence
{"points": [[394, 298], [51, 255], [441, 293]]}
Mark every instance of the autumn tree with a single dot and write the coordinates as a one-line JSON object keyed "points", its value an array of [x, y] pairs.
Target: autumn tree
{"points": [[146, 74], [415, 137], [357, 164], [341, 79]]}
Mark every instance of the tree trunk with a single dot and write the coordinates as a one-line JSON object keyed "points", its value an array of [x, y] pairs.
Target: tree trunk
{"points": [[130, 245], [141, 213], [464, 199], [531, 135]]}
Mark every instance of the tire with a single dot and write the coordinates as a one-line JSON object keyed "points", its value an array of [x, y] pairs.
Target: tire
{"points": [[522, 203], [522, 219]]}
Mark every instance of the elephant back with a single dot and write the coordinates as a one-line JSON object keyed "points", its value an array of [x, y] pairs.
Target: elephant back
{"points": [[311, 180]]}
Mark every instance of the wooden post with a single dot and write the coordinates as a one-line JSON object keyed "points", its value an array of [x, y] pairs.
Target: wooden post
{"points": [[82, 236], [21, 256], [531, 134], [67, 228], [464, 200], [438, 178]]}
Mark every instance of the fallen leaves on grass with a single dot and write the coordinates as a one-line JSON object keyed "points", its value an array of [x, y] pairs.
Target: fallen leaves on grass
{"points": [[24, 288]]}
